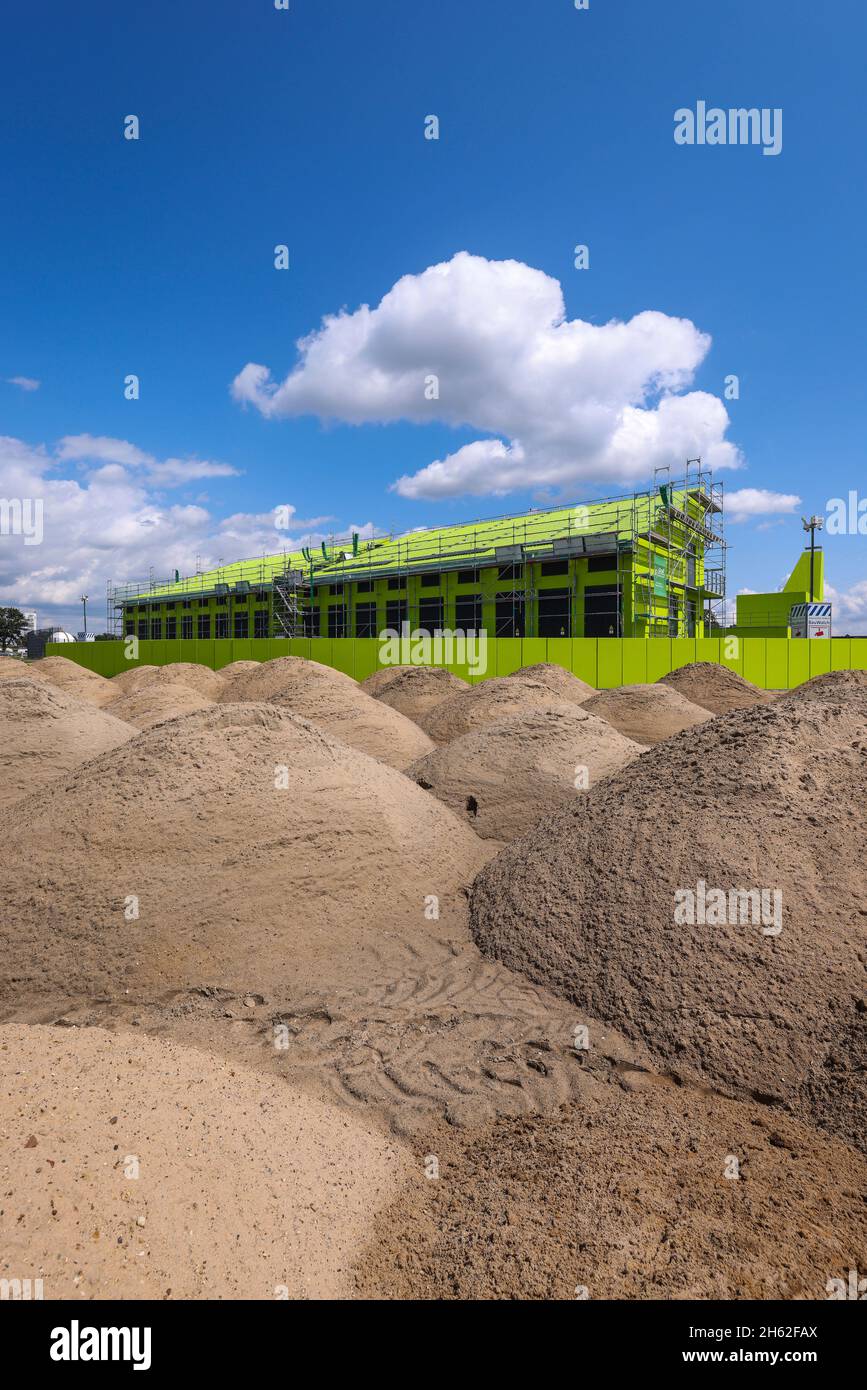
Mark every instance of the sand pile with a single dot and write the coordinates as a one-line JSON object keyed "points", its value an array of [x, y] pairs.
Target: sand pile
{"points": [[834, 687], [192, 676], [559, 681], [715, 687], [67, 675], [241, 1184], [238, 847], [335, 703], [13, 669], [129, 681], [770, 798], [47, 732], [152, 704], [627, 1196], [502, 778], [646, 713], [489, 702], [238, 668], [412, 690]]}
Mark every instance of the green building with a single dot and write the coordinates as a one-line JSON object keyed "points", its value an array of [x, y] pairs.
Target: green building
{"points": [[769, 615], [651, 564]]}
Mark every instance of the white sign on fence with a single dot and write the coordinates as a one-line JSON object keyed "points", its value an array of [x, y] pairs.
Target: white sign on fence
{"points": [[810, 619]]}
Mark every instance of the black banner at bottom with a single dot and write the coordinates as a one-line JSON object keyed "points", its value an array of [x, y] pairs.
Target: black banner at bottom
{"points": [[148, 1338]]}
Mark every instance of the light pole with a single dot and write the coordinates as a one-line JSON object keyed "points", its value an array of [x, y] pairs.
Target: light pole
{"points": [[84, 605], [814, 524]]}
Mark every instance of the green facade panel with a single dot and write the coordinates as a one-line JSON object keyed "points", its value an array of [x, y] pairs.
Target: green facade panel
{"points": [[772, 663]]}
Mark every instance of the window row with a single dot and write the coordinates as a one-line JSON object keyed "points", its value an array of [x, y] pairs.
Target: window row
{"points": [[155, 629]]}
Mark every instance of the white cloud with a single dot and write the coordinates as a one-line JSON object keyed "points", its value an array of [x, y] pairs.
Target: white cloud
{"points": [[565, 400], [746, 503], [108, 523], [172, 472], [25, 383], [849, 608]]}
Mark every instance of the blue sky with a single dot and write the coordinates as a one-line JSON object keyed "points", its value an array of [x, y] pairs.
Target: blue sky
{"points": [[261, 127]]}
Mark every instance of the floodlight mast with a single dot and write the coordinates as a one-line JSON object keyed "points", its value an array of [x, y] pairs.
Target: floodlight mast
{"points": [[814, 524]]}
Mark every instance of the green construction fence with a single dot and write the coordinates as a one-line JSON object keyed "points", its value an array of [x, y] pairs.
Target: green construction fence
{"points": [[773, 663]]}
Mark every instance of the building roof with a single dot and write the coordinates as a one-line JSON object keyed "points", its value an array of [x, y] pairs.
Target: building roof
{"points": [[579, 528]]}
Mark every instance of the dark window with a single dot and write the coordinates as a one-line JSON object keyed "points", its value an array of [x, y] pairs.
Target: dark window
{"points": [[129, 627], [510, 616], [241, 600], [260, 622], [598, 564], [204, 628], [601, 611], [187, 603], [430, 581], [395, 614], [396, 582], [186, 628], [143, 628], [690, 618], [242, 624], [510, 572], [335, 589], [169, 606], [365, 620], [430, 615], [468, 576], [156, 629], [221, 625], [554, 613], [222, 600], [364, 586], [551, 567], [468, 613], [311, 622], [261, 595], [171, 629], [673, 617], [336, 620]]}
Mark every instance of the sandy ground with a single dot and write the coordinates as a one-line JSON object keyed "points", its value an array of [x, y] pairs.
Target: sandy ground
{"points": [[488, 702], [242, 936], [502, 778], [412, 690], [631, 1194], [47, 732], [334, 702], [331, 905], [60, 673], [560, 682], [134, 1168], [150, 705], [648, 714], [715, 687], [767, 798], [205, 682]]}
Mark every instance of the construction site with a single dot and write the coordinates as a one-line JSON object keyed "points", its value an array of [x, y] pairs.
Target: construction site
{"points": [[649, 564]]}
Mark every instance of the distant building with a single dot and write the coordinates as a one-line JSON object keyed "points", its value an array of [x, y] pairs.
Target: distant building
{"points": [[35, 641]]}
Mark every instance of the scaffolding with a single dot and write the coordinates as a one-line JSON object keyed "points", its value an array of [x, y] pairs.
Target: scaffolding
{"points": [[665, 545]]}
